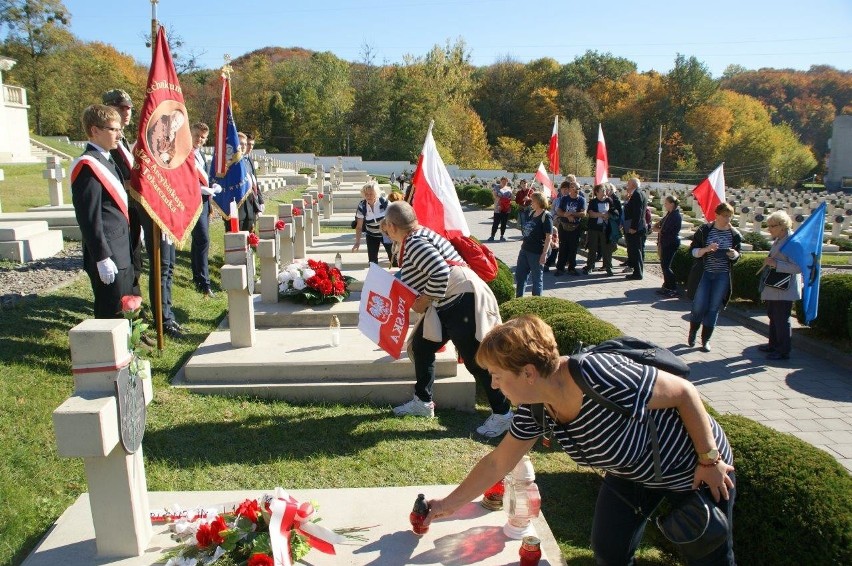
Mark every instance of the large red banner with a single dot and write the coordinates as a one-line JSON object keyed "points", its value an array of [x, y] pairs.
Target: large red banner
{"points": [[164, 180]]}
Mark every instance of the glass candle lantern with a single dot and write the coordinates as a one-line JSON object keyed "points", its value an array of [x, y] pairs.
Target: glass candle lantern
{"points": [[521, 500], [492, 499]]}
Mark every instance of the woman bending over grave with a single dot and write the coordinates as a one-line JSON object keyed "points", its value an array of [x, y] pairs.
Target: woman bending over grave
{"points": [[368, 217], [456, 305], [599, 410]]}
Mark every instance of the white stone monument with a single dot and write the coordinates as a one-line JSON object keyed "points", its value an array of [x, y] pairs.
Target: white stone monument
{"points": [[87, 425]]}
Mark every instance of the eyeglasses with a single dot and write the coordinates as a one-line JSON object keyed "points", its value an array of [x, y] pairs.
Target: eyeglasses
{"points": [[772, 225], [113, 130]]}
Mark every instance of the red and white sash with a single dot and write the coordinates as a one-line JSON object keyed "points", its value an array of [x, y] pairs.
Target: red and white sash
{"points": [[126, 155], [203, 178], [107, 178]]}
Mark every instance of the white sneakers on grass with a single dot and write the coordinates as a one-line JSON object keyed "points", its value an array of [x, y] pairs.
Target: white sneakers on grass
{"points": [[495, 425], [415, 407]]}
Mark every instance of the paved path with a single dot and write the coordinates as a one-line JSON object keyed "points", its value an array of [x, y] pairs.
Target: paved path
{"points": [[809, 396]]}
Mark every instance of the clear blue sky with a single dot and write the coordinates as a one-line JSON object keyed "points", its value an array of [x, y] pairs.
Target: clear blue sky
{"points": [[752, 33]]}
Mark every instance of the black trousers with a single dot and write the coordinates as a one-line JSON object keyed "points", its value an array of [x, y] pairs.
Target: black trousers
{"points": [[500, 220], [167, 268], [569, 243], [636, 252], [108, 297], [780, 331], [201, 247], [458, 323], [373, 243], [667, 254]]}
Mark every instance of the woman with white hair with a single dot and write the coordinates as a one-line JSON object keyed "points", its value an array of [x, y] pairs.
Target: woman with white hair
{"points": [[368, 218], [780, 297]]}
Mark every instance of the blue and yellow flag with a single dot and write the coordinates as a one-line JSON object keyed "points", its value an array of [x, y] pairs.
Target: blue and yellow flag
{"points": [[228, 167], [804, 247]]}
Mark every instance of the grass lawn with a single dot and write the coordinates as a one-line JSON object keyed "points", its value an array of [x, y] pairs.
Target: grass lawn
{"points": [[215, 443]]}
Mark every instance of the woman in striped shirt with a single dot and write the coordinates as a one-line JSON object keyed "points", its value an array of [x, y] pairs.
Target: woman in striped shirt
{"points": [[716, 247], [693, 452], [423, 262], [368, 218]]}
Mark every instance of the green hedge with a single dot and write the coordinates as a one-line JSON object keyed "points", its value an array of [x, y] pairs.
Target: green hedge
{"points": [[745, 278], [503, 286], [835, 290], [845, 244], [794, 501], [758, 241], [575, 329], [483, 197], [541, 306], [681, 264]]}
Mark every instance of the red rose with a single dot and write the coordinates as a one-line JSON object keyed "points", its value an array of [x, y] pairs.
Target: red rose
{"points": [[131, 303], [217, 527], [249, 509], [260, 560], [253, 240], [336, 273], [326, 287], [280, 225], [297, 211], [339, 287], [320, 196], [313, 264], [203, 536]]}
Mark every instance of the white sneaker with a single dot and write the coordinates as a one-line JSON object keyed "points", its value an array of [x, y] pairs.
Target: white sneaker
{"points": [[416, 407], [495, 425]]}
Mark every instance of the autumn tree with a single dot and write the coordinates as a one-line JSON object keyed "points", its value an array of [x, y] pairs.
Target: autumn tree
{"points": [[34, 31]]}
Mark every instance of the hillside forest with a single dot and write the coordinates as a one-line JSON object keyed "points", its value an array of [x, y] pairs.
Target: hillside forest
{"points": [[769, 126]]}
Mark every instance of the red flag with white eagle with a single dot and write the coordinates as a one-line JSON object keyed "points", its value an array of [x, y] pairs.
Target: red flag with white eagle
{"points": [[601, 161], [710, 192], [383, 314], [163, 178], [435, 200], [541, 177], [553, 147]]}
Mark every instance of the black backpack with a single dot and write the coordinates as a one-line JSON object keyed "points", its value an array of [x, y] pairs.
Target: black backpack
{"points": [[638, 350]]}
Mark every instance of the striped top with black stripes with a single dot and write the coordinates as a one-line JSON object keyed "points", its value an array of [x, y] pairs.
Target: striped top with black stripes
{"points": [[610, 441], [372, 215], [718, 261], [424, 264]]}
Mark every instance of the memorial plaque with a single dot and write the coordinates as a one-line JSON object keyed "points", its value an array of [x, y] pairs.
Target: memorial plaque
{"points": [[132, 412]]}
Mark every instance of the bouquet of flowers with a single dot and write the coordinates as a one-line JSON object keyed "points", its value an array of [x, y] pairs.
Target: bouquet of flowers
{"points": [[254, 533], [313, 282]]}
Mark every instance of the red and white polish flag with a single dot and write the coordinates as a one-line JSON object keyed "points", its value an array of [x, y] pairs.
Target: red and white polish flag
{"points": [[601, 161], [553, 147], [541, 177], [383, 314], [710, 192], [435, 200]]}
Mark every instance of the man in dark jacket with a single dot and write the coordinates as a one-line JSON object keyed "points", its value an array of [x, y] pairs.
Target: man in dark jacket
{"points": [[635, 229], [101, 207]]}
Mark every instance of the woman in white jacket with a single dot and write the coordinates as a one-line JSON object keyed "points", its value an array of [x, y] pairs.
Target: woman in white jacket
{"points": [[779, 302]]}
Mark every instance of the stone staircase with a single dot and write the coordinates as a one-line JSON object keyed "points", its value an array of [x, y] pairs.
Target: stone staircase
{"points": [[40, 151]]}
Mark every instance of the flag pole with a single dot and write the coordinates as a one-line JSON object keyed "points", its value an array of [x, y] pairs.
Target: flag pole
{"points": [[157, 299]]}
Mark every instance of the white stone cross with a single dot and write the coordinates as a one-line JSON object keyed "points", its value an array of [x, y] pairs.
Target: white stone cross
{"points": [[54, 173]]}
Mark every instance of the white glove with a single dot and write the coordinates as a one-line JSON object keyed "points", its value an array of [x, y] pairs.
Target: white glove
{"points": [[262, 207], [216, 188], [210, 191], [107, 271]]}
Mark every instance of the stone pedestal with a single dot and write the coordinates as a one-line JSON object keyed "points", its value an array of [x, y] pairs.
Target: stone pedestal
{"points": [[54, 174], [87, 426], [240, 306], [309, 227], [238, 252], [287, 253], [266, 249]]}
